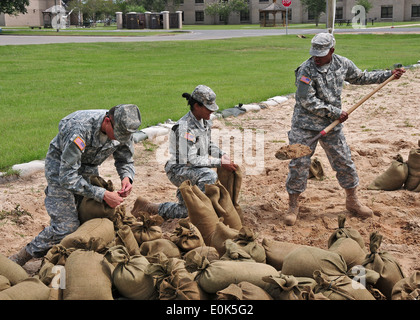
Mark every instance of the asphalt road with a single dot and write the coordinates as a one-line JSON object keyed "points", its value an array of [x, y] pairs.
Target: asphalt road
{"points": [[186, 35]]}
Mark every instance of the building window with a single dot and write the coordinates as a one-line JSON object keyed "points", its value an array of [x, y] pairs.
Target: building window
{"points": [[199, 1], [199, 16], [386, 12], [339, 13], [415, 11], [311, 16], [263, 0], [245, 16]]}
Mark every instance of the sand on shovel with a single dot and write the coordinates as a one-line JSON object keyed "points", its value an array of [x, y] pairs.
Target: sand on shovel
{"points": [[293, 151]]}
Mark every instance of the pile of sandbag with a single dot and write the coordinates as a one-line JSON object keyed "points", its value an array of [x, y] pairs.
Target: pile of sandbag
{"points": [[400, 174]]}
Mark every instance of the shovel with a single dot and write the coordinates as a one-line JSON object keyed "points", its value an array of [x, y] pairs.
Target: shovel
{"points": [[299, 150]]}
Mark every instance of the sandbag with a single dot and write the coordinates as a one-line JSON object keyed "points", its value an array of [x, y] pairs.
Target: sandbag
{"points": [[90, 208], [221, 233], [222, 204], [27, 289], [232, 181], [413, 163], [165, 246], [243, 291], [11, 270], [210, 253], [346, 232], [88, 277], [122, 217], [186, 236], [393, 178], [316, 169], [125, 237], [276, 251], [200, 210], [217, 275], [93, 234], [350, 250], [407, 288], [4, 283], [340, 287], [246, 239], [288, 287], [385, 264], [129, 275], [303, 261], [57, 255], [147, 228], [235, 252]]}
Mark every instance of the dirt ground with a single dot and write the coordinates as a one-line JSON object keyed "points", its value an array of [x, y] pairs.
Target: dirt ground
{"points": [[384, 126]]}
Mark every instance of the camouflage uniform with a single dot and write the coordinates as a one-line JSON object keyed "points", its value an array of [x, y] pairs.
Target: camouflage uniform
{"points": [[318, 104], [73, 156], [190, 148]]}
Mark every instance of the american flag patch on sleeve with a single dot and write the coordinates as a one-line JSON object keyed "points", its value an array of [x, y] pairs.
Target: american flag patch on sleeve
{"points": [[305, 79], [189, 136], [80, 143]]}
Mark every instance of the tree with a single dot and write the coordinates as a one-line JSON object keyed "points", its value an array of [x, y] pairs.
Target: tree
{"points": [[223, 8], [316, 7], [13, 6], [365, 3]]}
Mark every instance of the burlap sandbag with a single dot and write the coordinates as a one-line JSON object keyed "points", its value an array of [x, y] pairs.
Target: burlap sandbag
{"points": [[247, 240], [125, 237], [206, 251], [243, 291], [407, 288], [27, 289], [11, 270], [350, 250], [303, 261], [232, 181], [413, 163], [147, 228], [383, 263], [165, 246], [90, 208], [129, 275], [235, 252], [221, 233], [200, 210], [346, 232], [122, 217], [393, 178], [88, 277], [276, 251], [340, 287], [99, 231], [57, 255], [186, 236], [316, 169], [217, 275], [288, 287], [4, 283], [222, 204]]}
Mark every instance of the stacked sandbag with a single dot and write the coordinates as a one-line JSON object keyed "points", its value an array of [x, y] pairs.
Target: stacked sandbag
{"points": [[383, 263], [27, 289], [345, 232], [247, 240], [221, 233], [88, 276], [235, 252], [56, 256], [276, 251], [165, 246], [413, 163], [90, 208], [287, 287], [187, 236], [11, 270], [407, 288], [147, 228], [393, 178], [129, 275], [232, 181], [243, 291]]}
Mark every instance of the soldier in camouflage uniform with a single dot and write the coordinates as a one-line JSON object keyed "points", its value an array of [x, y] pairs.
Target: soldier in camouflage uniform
{"points": [[85, 140], [192, 154], [319, 82]]}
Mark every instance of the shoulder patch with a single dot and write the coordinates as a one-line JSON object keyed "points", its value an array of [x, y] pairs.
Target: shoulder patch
{"points": [[189, 136], [80, 143], [305, 79]]}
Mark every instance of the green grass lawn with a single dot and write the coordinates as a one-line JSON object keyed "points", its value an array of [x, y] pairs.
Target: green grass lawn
{"points": [[40, 84]]}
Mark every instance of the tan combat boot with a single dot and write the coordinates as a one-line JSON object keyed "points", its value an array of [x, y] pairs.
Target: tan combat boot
{"points": [[354, 206], [293, 210], [21, 257], [143, 205]]}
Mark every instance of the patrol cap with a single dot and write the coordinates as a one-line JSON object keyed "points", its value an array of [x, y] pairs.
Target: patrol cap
{"points": [[127, 120], [206, 96], [321, 44]]}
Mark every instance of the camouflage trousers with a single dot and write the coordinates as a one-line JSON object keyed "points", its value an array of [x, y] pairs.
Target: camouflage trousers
{"points": [[177, 174], [61, 206], [338, 153]]}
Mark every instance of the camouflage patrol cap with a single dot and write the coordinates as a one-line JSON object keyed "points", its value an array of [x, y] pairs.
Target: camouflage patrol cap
{"points": [[127, 120], [321, 44], [206, 96]]}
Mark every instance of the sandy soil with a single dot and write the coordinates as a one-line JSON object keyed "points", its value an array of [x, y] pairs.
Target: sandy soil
{"points": [[384, 126]]}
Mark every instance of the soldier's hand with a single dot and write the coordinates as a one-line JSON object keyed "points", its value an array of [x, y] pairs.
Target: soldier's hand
{"points": [[113, 199], [398, 72], [126, 187], [344, 116], [228, 164]]}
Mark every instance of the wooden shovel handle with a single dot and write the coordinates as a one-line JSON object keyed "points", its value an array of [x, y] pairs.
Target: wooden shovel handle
{"points": [[366, 97]]}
